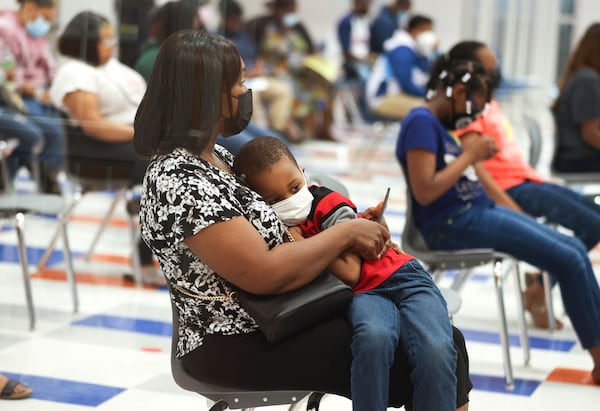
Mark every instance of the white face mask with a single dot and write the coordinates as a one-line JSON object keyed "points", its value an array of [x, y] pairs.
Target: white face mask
{"points": [[290, 19], [427, 42], [294, 210]]}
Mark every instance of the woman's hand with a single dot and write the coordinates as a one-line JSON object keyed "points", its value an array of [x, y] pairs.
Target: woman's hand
{"points": [[370, 239]]}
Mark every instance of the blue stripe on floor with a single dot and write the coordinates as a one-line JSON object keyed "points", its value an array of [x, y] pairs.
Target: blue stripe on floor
{"points": [[66, 391], [10, 254], [137, 325], [540, 343], [162, 328], [498, 384]]}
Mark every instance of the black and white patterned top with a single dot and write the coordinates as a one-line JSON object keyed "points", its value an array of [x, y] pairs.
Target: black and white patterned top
{"points": [[182, 195]]}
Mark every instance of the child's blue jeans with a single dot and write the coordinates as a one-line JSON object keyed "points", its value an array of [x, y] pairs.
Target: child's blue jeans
{"points": [[406, 309]]}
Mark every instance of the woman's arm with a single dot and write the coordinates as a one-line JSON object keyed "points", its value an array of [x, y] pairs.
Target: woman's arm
{"points": [[590, 132], [427, 184], [346, 267], [84, 107], [236, 251]]}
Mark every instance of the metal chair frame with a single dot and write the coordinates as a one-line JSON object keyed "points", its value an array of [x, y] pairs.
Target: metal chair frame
{"points": [[17, 206], [221, 398], [438, 262], [74, 187]]}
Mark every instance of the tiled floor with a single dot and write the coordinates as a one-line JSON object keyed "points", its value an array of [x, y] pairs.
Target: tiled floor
{"points": [[114, 353]]}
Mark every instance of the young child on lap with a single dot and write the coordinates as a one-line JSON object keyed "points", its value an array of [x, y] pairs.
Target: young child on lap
{"points": [[412, 311]]}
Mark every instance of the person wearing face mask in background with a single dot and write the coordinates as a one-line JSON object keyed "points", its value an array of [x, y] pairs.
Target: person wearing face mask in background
{"points": [[101, 95], [397, 82], [273, 97], [396, 302], [354, 38], [391, 18], [23, 33], [452, 210], [285, 45], [515, 184]]}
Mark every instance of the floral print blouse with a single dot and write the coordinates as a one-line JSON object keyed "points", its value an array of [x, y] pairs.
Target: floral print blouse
{"points": [[183, 194]]}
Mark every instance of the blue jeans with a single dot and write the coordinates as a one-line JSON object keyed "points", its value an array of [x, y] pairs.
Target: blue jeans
{"points": [[406, 309], [560, 205], [14, 125], [563, 256], [47, 120]]}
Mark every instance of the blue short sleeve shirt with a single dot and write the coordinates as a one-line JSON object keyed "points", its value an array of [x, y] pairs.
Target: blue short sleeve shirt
{"points": [[421, 130]]}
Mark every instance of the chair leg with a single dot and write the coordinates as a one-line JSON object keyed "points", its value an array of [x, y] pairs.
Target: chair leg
{"points": [[62, 220], [105, 221], [549, 302], [461, 279], [19, 224], [314, 400], [219, 406], [52, 245], [135, 254], [498, 280], [523, 334]]}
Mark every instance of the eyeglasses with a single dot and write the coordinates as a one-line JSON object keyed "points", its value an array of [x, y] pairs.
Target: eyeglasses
{"points": [[109, 41]]}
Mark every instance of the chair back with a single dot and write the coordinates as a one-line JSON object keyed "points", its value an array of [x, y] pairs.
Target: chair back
{"points": [[234, 398], [331, 183], [412, 240], [535, 139], [86, 160]]}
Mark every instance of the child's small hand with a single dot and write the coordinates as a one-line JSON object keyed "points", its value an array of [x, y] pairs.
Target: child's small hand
{"points": [[372, 213]]}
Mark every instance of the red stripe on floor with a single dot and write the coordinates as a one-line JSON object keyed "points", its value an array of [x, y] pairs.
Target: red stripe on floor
{"points": [[571, 376], [114, 222], [88, 278], [109, 258]]}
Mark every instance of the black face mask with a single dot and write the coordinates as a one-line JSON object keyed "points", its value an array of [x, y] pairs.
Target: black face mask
{"points": [[236, 125], [494, 79]]}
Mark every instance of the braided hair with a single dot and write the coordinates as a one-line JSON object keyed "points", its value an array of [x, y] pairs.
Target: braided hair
{"points": [[447, 72]]}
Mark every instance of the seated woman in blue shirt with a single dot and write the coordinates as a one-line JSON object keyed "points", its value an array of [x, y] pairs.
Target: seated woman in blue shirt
{"points": [[452, 210]]}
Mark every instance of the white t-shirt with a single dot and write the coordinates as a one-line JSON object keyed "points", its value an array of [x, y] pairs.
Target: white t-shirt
{"points": [[359, 36], [119, 88]]}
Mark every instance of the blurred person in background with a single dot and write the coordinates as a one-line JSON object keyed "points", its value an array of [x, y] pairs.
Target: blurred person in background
{"points": [[354, 38], [162, 22], [273, 97], [102, 96], [289, 52], [510, 181], [31, 72], [577, 108], [392, 17], [397, 83]]}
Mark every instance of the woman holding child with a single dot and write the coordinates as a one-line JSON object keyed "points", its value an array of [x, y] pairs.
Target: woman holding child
{"points": [[210, 231]]}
